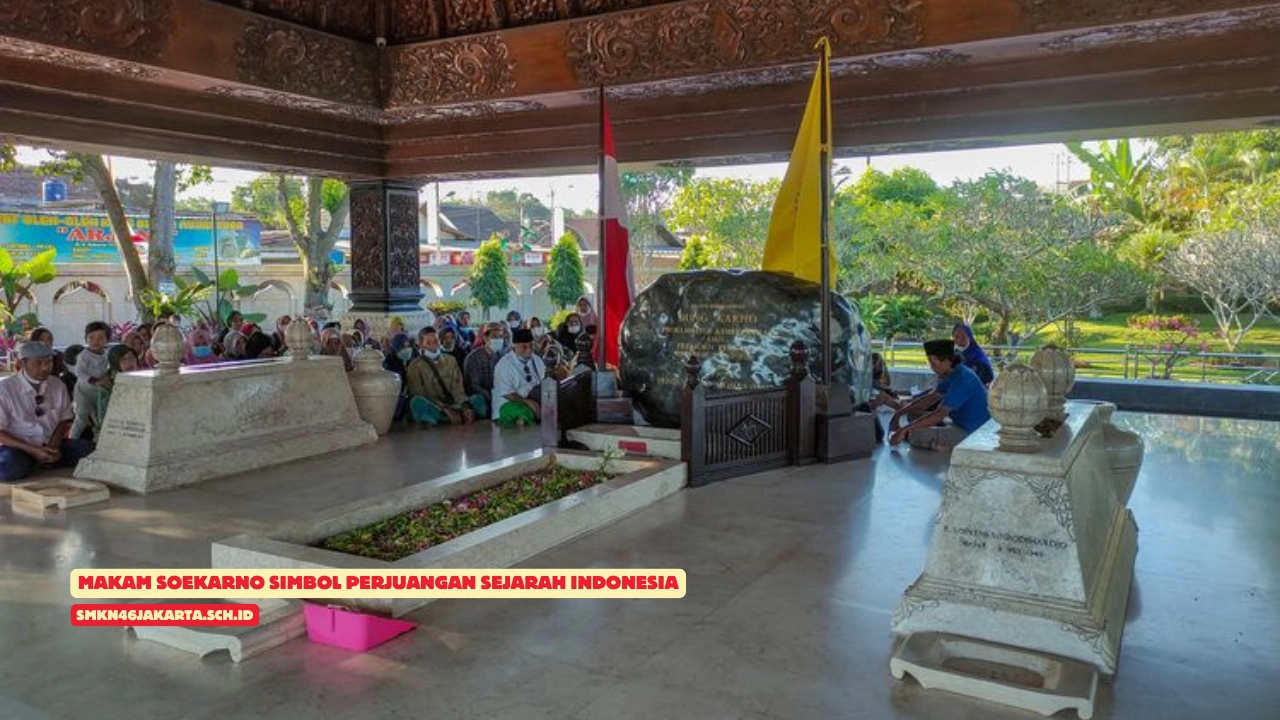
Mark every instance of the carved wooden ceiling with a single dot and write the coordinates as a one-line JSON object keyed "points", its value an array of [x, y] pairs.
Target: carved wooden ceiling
{"points": [[476, 87]]}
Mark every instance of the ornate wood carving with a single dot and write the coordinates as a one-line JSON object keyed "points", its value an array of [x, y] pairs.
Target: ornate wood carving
{"points": [[130, 29], [368, 259], [471, 16], [414, 20], [348, 18], [719, 35], [306, 63], [402, 260], [296, 102], [453, 71], [527, 12], [400, 116]]}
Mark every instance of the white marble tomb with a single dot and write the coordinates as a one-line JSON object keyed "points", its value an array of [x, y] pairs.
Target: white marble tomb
{"points": [[1034, 549]]}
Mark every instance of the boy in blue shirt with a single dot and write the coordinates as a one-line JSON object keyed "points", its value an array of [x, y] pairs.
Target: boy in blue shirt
{"points": [[960, 396]]}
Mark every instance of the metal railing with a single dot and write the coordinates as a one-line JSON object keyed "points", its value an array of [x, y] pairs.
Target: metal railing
{"points": [[1133, 362]]}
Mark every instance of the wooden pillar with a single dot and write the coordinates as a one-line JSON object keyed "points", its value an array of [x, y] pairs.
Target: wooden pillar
{"points": [[384, 248]]}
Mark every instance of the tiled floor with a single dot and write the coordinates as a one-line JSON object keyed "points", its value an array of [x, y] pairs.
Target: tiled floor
{"points": [[793, 576]]}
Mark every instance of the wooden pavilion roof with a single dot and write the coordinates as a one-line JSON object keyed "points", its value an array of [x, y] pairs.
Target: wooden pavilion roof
{"points": [[465, 88]]}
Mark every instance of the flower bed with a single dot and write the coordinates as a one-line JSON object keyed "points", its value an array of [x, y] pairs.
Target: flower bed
{"points": [[416, 530]]}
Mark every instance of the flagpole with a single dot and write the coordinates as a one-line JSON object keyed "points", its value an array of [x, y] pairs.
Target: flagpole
{"points": [[825, 162], [600, 256]]}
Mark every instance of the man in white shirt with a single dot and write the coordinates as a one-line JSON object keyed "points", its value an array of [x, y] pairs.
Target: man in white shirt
{"points": [[517, 383], [35, 414]]}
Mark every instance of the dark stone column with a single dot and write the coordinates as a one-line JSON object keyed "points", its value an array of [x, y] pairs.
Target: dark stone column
{"points": [[384, 248]]}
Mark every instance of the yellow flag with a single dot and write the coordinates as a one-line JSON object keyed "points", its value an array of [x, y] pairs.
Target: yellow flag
{"points": [[795, 229]]}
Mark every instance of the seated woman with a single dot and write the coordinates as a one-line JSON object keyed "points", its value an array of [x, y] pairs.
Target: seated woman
{"points": [[568, 332], [974, 358], [258, 345], [397, 361], [120, 358], [199, 348], [331, 344], [586, 313]]}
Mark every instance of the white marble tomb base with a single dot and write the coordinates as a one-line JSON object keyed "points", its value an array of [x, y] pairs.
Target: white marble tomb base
{"points": [[997, 673], [162, 431], [630, 439], [640, 482], [279, 621], [58, 492], [1034, 551]]}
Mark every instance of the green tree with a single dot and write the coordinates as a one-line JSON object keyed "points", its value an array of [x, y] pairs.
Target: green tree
{"points": [[695, 254], [1027, 258], [648, 196], [906, 185], [1120, 180], [314, 239], [731, 215], [8, 157], [488, 279], [160, 195], [261, 198], [566, 272]]}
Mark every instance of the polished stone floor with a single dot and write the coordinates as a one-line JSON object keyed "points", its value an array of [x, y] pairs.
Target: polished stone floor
{"points": [[793, 576]]}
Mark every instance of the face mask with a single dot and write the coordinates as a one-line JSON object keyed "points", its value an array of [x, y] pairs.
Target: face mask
{"points": [[575, 329], [432, 354], [495, 344], [405, 354], [448, 347], [202, 351], [513, 324], [539, 332]]}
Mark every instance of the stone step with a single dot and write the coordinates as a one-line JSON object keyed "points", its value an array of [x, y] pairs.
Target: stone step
{"points": [[998, 673], [279, 621]]}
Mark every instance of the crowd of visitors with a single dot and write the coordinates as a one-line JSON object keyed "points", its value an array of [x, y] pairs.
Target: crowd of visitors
{"points": [[451, 373]]}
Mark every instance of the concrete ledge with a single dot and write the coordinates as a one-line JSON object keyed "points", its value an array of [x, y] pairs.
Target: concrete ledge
{"points": [[1172, 397], [500, 545]]}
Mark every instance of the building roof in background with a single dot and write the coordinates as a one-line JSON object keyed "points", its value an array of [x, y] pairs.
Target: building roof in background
{"points": [[468, 224], [23, 188]]}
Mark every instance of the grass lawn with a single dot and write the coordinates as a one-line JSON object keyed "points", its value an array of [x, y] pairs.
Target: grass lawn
{"points": [[1102, 352]]}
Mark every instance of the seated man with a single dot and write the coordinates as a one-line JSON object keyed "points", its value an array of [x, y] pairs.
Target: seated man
{"points": [[962, 398], [435, 386], [478, 368], [517, 383], [35, 415]]}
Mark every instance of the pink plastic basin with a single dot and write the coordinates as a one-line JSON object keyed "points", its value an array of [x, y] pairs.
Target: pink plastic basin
{"points": [[350, 630]]}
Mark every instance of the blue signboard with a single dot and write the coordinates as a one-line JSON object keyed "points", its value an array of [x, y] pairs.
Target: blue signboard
{"points": [[88, 238]]}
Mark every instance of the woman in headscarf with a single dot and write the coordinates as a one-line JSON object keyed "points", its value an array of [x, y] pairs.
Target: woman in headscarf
{"points": [[258, 345], [331, 344], [568, 332], [199, 348], [233, 345], [397, 361], [586, 313], [120, 358], [138, 344], [974, 357]]}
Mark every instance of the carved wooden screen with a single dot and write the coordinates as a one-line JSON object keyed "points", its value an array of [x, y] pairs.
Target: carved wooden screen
{"points": [[734, 434]]}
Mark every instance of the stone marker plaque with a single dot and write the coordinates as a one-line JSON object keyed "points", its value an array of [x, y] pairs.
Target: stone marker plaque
{"points": [[741, 325]]}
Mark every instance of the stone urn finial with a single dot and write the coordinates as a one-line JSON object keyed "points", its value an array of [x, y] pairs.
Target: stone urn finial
{"points": [[298, 337], [1055, 367], [376, 390], [167, 346], [1017, 401]]}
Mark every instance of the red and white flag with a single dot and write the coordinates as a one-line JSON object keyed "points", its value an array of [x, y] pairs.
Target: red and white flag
{"points": [[619, 282]]}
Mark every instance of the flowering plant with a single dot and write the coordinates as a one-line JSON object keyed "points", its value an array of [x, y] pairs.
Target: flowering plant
{"points": [[416, 530], [1167, 336]]}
